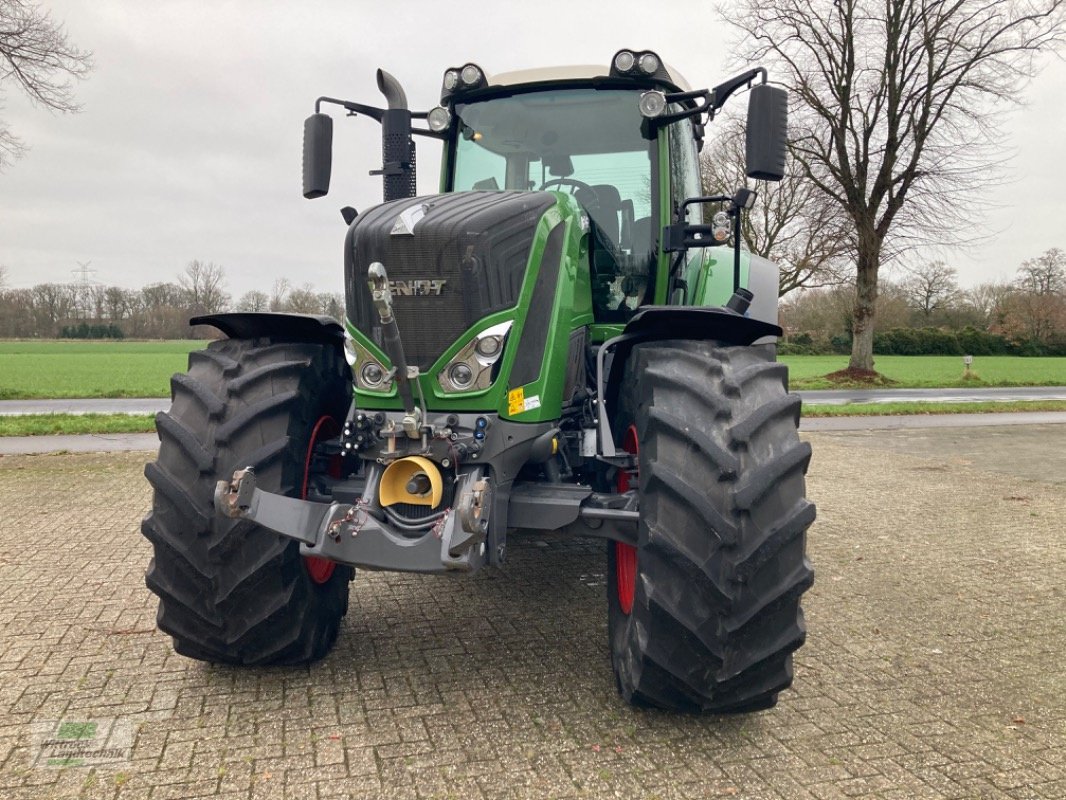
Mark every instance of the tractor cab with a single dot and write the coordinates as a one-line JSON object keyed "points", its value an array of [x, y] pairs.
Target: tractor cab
{"points": [[587, 142]]}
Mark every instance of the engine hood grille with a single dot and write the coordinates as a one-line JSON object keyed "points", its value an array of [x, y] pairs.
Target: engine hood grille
{"points": [[452, 259]]}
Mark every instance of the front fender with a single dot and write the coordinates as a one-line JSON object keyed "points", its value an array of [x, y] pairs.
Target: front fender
{"points": [[285, 327]]}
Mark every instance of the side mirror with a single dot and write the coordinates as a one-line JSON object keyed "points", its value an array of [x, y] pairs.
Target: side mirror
{"points": [[767, 136], [318, 154]]}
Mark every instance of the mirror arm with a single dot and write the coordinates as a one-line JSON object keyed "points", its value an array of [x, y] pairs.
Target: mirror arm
{"points": [[353, 109], [677, 97], [721, 92]]}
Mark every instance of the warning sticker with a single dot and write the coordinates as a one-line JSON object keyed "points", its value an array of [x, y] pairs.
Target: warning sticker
{"points": [[516, 401]]}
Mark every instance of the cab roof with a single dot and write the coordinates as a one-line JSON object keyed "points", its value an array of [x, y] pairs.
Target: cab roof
{"points": [[577, 72]]}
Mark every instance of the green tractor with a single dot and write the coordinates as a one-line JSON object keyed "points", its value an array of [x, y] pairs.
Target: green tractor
{"points": [[566, 338]]}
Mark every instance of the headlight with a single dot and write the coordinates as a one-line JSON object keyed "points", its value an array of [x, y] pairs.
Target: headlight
{"points": [[489, 346], [451, 80], [472, 366], [372, 374], [350, 355], [367, 370], [461, 375]]}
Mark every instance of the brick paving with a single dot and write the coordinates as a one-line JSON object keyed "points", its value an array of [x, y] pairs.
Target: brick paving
{"points": [[934, 665]]}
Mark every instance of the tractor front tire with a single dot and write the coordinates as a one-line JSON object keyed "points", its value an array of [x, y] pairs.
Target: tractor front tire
{"points": [[231, 591], [704, 613]]}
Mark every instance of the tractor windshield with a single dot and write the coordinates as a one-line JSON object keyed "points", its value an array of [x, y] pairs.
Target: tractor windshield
{"points": [[585, 142]]}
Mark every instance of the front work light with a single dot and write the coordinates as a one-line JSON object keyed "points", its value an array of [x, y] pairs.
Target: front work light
{"points": [[652, 104], [471, 75], [624, 61], [649, 63], [439, 119]]}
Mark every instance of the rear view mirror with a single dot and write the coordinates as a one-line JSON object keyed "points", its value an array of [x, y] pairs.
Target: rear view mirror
{"points": [[318, 154], [767, 139]]}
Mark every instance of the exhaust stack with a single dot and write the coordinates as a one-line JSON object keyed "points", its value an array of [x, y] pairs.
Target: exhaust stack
{"points": [[397, 146]]}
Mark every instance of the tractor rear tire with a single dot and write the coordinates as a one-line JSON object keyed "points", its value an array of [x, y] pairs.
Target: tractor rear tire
{"points": [[704, 614], [231, 591]]}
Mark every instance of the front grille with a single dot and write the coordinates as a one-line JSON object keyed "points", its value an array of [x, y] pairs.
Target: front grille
{"points": [[477, 243]]}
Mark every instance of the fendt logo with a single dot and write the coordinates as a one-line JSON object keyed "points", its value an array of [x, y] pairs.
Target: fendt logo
{"points": [[417, 288]]}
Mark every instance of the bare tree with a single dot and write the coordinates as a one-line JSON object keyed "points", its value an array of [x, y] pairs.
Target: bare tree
{"points": [[53, 303], [3, 277], [1045, 274], [793, 223], [931, 288], [303, 300], [202, 283], [1036, 311], [896, 116], [987, 300], [37, 57], [118, 303], [254, 300], [279, 294], [331, 304]]}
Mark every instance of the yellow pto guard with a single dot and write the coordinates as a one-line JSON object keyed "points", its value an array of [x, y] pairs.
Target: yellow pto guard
{"points": [[397, 476]]}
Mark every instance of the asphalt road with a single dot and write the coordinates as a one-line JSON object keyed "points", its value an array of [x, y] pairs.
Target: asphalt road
{"points": [[836, 397], [150, 405]]}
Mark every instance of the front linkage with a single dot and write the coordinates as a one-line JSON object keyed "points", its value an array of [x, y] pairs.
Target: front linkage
{"points": [[468, 533]]}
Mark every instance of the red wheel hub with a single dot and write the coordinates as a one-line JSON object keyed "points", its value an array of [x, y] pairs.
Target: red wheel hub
{"points": [[320, 569], [625, 555]]}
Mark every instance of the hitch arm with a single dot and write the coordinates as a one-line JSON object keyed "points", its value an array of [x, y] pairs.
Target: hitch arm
{"points": [[299, 519]]}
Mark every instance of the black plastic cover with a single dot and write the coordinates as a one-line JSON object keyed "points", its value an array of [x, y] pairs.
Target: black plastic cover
{"points": [[527, 363], [462, 259], [767, 137], [318, 154]]}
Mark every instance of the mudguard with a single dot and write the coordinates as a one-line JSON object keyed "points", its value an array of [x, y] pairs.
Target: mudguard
{"points": [[286, 327]]}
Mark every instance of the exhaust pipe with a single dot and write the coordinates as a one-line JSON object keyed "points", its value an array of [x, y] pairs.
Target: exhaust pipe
{"points": [[397, 146]]}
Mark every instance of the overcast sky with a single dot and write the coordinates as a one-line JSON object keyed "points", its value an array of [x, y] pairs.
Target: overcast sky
{"points": [[189, 142]]}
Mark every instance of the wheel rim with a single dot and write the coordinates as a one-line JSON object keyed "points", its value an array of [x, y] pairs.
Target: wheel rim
{"points": [[625, 555], [320, 569]]}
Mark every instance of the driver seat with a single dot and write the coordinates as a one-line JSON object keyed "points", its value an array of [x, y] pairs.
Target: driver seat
{"points": [[604, 204]]}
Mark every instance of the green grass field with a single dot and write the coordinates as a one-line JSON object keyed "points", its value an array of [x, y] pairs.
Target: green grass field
{"points": [[912, 372], [58, 369]]}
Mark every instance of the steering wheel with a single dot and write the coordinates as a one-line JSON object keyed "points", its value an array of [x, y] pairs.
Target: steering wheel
{"points": [[571, 182]]}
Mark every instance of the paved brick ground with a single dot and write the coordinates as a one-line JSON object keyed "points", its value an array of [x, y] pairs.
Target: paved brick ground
{"points": [[934, 666]]}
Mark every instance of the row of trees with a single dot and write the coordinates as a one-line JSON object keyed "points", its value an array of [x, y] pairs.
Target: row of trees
{"points": [[156, 311], [1026, 315]]}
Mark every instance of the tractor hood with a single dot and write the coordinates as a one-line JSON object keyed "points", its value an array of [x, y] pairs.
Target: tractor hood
{"points": [[452, 259]]}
